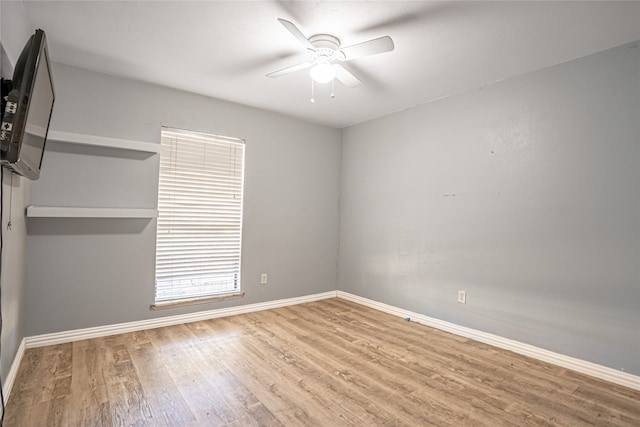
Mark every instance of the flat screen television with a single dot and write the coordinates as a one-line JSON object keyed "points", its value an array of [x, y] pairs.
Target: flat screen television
{"points": [[27, 104]]}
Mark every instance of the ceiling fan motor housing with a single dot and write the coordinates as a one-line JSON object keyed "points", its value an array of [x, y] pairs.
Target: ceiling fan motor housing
{"points": [[326, 47]]}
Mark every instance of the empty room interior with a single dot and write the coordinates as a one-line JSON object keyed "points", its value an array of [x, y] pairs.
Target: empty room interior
{"points": [[320, 213]]}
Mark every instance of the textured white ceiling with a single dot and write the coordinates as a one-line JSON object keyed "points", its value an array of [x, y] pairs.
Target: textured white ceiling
{"points": [[224, 49]]}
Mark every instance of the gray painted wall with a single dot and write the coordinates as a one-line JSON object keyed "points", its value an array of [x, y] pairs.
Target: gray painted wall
{"points": [[15, 196], [525, 193], [14, 33], [91, 272]]}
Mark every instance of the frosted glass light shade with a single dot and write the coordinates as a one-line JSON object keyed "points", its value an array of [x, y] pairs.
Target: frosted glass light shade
{"points": [[323, 73]]}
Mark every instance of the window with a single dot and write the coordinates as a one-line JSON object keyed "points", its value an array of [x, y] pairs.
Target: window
{"points": [[200, 216]]}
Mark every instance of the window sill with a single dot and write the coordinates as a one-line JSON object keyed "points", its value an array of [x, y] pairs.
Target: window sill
{"points": [[161, 305]]}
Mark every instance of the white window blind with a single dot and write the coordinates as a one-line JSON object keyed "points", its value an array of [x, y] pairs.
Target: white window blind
{"points": [[200, 215]]}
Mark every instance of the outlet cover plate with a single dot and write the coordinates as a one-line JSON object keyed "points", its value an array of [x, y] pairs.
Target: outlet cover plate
{"points": [[462, 297]]}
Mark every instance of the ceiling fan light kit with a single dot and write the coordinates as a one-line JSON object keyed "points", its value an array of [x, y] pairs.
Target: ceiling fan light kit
{"points": [[324, 51], [322, 72]]}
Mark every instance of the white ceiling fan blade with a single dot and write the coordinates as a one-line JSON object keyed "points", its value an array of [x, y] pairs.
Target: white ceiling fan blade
{"points": [[371, 47], [346, 77], [290, 69], [296, 33]]}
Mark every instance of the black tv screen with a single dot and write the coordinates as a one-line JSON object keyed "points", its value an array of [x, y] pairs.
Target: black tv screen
{"points": [[28, 108]]}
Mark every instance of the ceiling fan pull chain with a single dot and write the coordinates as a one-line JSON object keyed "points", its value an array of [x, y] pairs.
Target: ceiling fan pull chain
{"points": [[312, 90], [333, 87]]}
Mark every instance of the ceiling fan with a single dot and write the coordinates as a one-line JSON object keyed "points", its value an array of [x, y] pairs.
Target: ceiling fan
{"points": [[325, 52]]}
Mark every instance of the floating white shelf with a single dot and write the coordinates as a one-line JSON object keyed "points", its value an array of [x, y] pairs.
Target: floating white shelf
{"points": [[75, 212], [101, 141]]}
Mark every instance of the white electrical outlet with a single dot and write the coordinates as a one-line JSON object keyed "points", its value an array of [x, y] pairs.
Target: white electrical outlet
{"points": [[263, 279], [462, 297]]}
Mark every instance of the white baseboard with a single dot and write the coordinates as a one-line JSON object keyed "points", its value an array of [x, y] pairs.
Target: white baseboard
{"points": [[578, 365], [120, 328], [13, 372]]}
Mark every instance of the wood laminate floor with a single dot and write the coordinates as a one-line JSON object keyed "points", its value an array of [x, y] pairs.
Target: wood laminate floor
{"points": [[326, 363]]}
